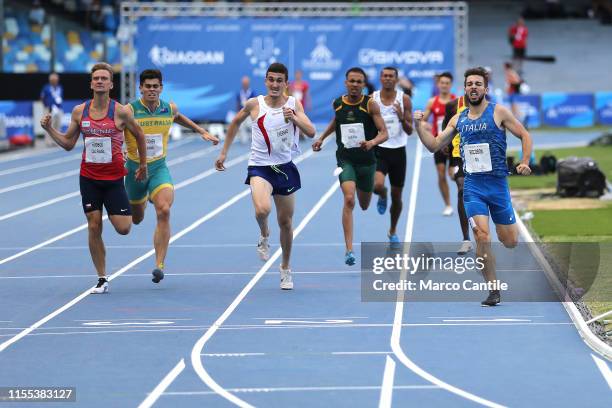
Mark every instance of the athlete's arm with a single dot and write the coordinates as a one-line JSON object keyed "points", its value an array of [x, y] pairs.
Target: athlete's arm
{"points": [[428, 109], [232, 129], [433, 144], [65, 140], [189, 124], [331, 128], [300, 119], [406, 119], [379, 122], [449, 111], [506, 119], [126, 116]]}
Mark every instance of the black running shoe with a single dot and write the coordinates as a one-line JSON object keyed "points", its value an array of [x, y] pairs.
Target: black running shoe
{"points": [[493, 299], [158, 275], [101, 287]]}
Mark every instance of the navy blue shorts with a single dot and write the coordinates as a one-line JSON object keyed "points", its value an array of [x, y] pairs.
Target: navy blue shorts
{"points": [[485, 193], [108, 193], [285, 178]]}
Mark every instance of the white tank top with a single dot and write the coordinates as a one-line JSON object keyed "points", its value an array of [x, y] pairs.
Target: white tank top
{"points": [[273, 140], [397, 136]]}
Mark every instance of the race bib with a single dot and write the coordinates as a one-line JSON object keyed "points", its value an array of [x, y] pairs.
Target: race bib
{"points": [[98, 150], [393, 125], [477, 158], [155, 145], [282, 138], [352, 135]]}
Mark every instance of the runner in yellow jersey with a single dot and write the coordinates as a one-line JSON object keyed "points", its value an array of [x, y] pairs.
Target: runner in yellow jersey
{"points": [[155, 116], [452, 108]]}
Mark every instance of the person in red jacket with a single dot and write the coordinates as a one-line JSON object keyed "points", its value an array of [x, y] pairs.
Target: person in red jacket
{"points": [[517, 36]]}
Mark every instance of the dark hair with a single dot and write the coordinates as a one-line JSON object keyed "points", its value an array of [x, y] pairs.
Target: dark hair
{"points": [[446, 74], [358, 70], [278, 68], [480, 71], [102, 65], [391, 69], [150, 74]]}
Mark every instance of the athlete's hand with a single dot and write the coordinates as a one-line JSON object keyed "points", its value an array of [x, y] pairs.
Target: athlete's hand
{"points": [[316, 146], [523, 169], [219, 162], [398, 110], [45, 122], [367, 145], [211, 138], [418, 116], [289, 114], [141, 173]]}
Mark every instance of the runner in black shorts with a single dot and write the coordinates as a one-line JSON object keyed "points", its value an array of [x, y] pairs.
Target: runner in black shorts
{"points": [[452, 108], [396, 110]]}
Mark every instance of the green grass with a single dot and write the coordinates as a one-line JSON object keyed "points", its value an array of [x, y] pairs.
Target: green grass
{"points": [[574, 224], [601, 154]]}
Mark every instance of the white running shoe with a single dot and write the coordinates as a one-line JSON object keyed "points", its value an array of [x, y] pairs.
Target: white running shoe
{"points": [[101, 287], [448, 211], [263, 249], [286, 279], [466, 246]]}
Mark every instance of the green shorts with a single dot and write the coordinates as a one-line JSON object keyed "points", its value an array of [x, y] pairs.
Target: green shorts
{"points": [[361, 174], [158, 178]]}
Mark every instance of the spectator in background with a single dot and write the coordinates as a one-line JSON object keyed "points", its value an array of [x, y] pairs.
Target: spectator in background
{"points": [[52, 97], [299, 89], [37, 13], [513, 86], [517, 36], [245, 93]]}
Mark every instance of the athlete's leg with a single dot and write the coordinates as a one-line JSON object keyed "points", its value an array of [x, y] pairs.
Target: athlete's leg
{"points": [[138, 212], [261, 190], [442, 184], [396, 207], [379, 185], [162, 200], [96, 245], [480, 228], [463, 220], [364, 199], [507, 234], [285, 205], [348, 190]]}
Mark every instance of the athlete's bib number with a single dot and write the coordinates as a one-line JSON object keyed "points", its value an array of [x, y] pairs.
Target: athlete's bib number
{"points": [[98, 150], [477, 158], [393, 125], [155, 145], [282, 138], [352, 135]]}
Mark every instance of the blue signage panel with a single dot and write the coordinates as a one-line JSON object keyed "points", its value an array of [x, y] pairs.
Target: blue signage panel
{"points": [[203, 59], [18, 120], [568, 110], [603, 107], [529, 110]]}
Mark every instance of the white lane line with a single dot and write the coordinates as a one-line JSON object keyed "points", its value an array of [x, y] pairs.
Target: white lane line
{"points": [[604, 369], [187, 246], [196, 360], [76, 300], [113, 320], [39, 205], [146, 329], [77, 193], [311, 317], [486, 320], [140, 275], [477, 317], [302, 389], [38, 181], [39, 165], [163, 385], [386, 389], [322, 353], [399, 306], [185, 183]]}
